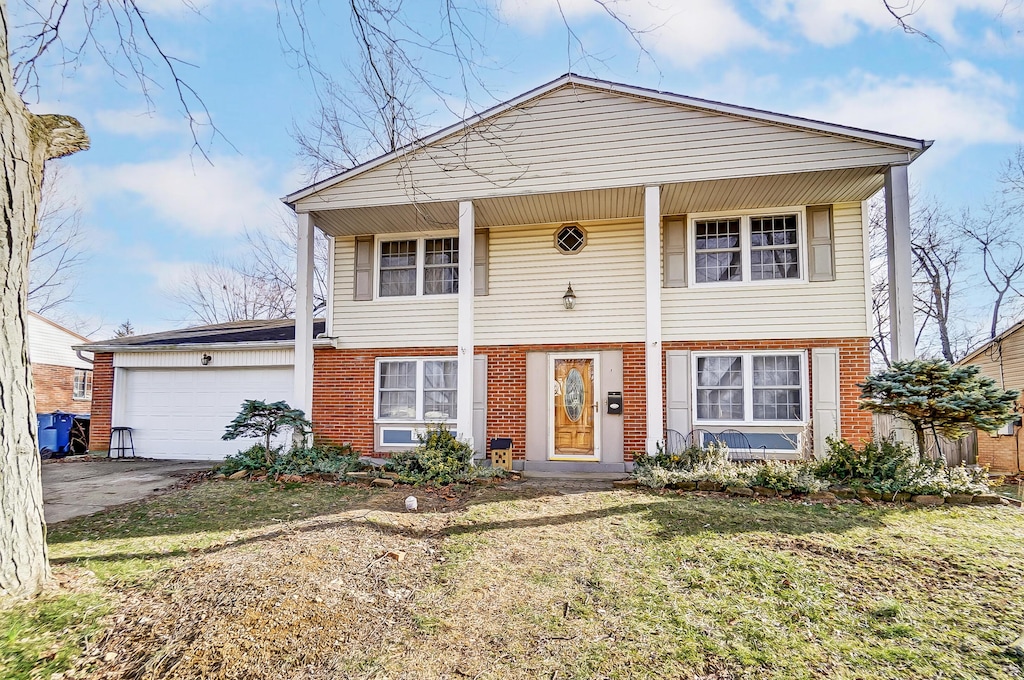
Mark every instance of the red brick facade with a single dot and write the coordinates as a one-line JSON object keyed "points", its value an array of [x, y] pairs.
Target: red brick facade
{"points": [[55, 389], [1003, 453], [102, 401], [854, 366], [343, 383]]}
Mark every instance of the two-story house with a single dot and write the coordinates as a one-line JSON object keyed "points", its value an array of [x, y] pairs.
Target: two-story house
{"points": [[590, 265]]}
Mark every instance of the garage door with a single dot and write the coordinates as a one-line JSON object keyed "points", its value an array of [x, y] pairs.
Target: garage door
{"points": [[182, 413]]}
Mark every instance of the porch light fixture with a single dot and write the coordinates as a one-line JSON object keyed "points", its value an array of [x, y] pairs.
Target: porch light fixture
{"points": [[206, 360], [569, 299]]}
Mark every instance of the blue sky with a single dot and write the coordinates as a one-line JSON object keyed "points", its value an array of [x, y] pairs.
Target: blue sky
{"points": [[153, 205]]}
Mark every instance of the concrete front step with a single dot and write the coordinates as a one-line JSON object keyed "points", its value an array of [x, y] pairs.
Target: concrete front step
{"points": [[586, 471]]}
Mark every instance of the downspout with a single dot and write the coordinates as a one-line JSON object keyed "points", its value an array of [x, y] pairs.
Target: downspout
{"points": [[78, 353]]}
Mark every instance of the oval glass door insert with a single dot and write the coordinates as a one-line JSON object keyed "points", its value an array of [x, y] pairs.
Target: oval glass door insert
{"points": [[574, 395]]}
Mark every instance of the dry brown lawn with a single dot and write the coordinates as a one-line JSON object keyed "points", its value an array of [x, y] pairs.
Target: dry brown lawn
{"points": [[238, 580]]}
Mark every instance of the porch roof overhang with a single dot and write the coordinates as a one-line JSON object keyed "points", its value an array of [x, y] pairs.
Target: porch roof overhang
{"points": [[738, 193]]}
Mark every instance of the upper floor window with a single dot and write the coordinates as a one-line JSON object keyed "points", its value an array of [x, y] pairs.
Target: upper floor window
{"points": [[426, 266], [747, 248], [83, 384]]}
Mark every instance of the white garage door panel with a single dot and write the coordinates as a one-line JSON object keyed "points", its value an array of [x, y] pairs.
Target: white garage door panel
{"points": [[182, 413]]}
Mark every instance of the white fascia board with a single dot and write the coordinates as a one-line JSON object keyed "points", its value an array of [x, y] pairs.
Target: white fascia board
{"points": [[211, 346], [989, 343], [915, 147]]}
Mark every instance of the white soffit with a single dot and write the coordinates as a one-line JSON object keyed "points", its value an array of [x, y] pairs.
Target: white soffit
{"points": [[808, 188]]}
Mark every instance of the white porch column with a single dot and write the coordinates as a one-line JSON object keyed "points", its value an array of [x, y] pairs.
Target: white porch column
{"points": [[467, 238], [304, 316], [652, 278], [897, 234]]}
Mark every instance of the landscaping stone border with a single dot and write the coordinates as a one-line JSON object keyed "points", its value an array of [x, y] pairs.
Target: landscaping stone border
{"points": [[390, 479], [840, 493]]}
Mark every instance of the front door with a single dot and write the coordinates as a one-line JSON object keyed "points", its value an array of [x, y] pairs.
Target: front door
{"points": [[575, 408]]}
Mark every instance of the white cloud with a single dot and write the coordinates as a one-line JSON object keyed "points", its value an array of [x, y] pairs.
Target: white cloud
{"points": [[212, 200], [968, 107], [686, 34], [136, 123], [835, 22]]}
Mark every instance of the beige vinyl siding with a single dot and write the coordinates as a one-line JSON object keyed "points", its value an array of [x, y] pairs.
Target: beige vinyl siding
{"points": [[414, 321], [50, 345], [528, 277], [784, 310], [1012, 374], [577, 138], [193, 358]]}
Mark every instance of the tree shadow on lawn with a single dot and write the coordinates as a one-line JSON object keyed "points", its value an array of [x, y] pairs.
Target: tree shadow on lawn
{"points": [[227, 507]]}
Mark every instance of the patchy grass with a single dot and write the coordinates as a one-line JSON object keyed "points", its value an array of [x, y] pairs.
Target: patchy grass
{"points": [[128, 547], [42, 637], [134, 540], [625, 585], [248, 580]]}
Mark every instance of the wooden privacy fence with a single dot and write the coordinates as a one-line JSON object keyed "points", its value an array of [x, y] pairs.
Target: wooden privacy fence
{"points": [[955, 452]]}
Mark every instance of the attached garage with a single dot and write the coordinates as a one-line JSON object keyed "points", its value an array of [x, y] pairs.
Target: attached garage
{"points": [[178, 390], [181, 412]]}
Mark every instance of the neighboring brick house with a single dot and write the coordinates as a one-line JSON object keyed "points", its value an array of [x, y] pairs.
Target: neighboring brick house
{"points": [[590, 266], [62, 379], [1002, 359]]}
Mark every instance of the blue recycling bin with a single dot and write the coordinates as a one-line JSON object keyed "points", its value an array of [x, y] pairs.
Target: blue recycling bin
{"points": [[55, 431], [48, 439]]}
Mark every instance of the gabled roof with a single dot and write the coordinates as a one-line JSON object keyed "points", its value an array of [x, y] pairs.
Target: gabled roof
{"points": [[914, 147], [994, 341], [260, 332], [56, 325]]}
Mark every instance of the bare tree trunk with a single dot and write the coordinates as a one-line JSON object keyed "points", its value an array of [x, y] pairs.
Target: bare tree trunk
{"points": [[28, 141]]}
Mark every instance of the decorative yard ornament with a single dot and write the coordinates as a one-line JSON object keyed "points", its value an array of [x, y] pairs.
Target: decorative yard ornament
{"points": [[933, 394]]}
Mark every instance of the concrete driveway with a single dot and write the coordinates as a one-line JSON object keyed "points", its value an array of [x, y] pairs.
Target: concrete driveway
{"points": [[73, 488]]}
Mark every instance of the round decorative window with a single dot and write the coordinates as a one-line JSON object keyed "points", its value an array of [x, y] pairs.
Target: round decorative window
{"points": [[571, 238]]}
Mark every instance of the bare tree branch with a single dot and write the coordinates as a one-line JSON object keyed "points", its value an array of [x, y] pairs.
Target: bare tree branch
{"points": [[59, 252], [996, 236], [259, 284], [119, 33]]}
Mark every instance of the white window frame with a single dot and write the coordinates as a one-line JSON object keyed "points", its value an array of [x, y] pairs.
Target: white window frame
{"points": [[86, 382], [421, 252], [744, 216], [748, 389], [420, 383]]}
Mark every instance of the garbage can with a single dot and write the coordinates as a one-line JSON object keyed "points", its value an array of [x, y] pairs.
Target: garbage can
{"points": [[54, 431], [47, 435], [63, 422]]}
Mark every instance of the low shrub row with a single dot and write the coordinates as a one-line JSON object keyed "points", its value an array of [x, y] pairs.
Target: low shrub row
{"points": [[439, 459], [298, 460], [884, 470]]}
